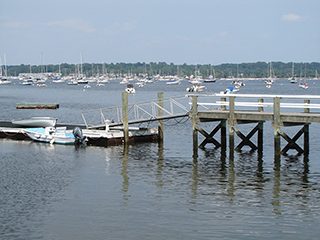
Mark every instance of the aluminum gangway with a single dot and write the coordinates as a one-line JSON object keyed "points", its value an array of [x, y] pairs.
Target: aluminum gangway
{"points": [[172, 107]]}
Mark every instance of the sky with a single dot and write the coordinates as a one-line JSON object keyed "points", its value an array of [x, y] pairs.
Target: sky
{"points": [[172, 31]]}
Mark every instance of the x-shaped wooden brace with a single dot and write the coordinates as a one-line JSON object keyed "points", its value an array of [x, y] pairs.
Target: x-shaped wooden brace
{"points": [[209, 137], [246, 139], [291, 142]]}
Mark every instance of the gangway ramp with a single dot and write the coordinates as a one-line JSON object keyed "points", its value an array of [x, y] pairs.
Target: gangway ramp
{"points": [[172, 107]]}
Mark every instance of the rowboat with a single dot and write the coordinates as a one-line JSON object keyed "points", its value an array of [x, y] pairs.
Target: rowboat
{"points": [[36, 122]]}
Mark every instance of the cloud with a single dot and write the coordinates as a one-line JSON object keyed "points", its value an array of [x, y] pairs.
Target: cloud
{"points": [[117, 28], [292, 17], [74, 23], [223, 34], [14, 24]]}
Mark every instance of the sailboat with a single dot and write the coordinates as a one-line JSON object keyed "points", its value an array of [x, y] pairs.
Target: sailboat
{"points": [[212, 76], [293, 79], [304, 83], [4, 80], [271, 78]]}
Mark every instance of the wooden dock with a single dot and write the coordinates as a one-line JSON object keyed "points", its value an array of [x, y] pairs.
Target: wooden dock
{"points": [[224, 109], [37, 105], [250, 108]]}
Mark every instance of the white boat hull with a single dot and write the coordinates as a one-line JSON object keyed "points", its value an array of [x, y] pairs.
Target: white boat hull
{"points": [[50, 135], [36, 122]]}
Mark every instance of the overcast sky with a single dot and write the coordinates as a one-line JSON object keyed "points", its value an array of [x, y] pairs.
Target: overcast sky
{"points": [[172, 31]]}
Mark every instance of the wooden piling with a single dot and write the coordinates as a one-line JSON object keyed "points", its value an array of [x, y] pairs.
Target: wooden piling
{"points": [[223, 135], [160, 114], [194, 120], [125, 117], [306, 139], [276, 126], [231, 123]]}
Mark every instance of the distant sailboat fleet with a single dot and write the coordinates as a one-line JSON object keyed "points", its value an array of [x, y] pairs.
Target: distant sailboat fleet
{"points": [[140, 80]]}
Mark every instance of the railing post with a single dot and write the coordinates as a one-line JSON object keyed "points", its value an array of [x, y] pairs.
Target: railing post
{"points": [[260, 109], [160, 114], [307, 110], [223, 107], [125, 116]]}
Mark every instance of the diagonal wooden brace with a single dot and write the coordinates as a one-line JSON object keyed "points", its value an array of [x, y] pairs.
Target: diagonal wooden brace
{"points": [[246, 139], [291, 142], [209, 137]]}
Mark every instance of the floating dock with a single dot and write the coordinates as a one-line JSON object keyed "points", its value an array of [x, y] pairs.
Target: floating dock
{"points": [[37, 105], [114, 136]]}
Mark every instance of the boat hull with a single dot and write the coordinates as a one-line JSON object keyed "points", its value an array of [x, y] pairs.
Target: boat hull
{"points": [[42, 135], [36, 122]]}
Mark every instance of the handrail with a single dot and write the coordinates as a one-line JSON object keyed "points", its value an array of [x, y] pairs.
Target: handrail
{"points": [[137, 112], [260, 103]]}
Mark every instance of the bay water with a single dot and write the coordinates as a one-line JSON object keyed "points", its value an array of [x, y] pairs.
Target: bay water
{"points": [[151, 190]]}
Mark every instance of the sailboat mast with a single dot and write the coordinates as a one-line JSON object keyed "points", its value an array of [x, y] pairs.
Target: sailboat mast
{"points": [[5, 66], [0, 69]]}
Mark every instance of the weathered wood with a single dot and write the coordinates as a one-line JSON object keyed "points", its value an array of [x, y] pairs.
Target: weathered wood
{"points": [[223, 135], [125, 117], [209, 137], [37, 106], [291, 142], [223, 107], [306, 139], [307, 110], [260, 138], [231, 122], [246, 139], [194, 120], [276, 125], [160, 114], [260, 109]]}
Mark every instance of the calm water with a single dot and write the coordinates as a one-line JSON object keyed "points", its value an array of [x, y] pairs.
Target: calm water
{"points": [[149, 191]]}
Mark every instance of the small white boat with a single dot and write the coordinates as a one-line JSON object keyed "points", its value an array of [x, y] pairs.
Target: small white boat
{"points": [[230, 90], [50, 135], [36, 122], [4, 81], [303, 85], [196, 88], [130, 89], [173, 82]]}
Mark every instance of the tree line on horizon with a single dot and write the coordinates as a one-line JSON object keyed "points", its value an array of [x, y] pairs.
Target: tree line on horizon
{"points": [[247, 70]]}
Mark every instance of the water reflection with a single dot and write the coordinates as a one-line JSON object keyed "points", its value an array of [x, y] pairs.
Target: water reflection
{"points": [[124, 174], [160, 165]]}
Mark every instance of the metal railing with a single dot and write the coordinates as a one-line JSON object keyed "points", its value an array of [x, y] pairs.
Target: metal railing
{"points": [[172, 107]]}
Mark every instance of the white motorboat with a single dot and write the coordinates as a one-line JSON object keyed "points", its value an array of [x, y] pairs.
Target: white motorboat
{"points": [[173, 82], [36, 122], [50, 135], [130, 89], [4, 81], [196, 88], [230, 90]]}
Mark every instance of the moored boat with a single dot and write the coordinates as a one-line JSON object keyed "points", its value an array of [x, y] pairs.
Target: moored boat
{"points": [[36, 122], [130, 89], [50, 135]]}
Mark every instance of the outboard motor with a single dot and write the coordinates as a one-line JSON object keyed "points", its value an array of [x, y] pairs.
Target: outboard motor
{"points": [[79, 138]]}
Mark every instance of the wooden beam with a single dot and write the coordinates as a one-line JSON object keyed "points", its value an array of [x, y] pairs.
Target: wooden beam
{"points": [[291, 142], [246, 139], [209, 137]]}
